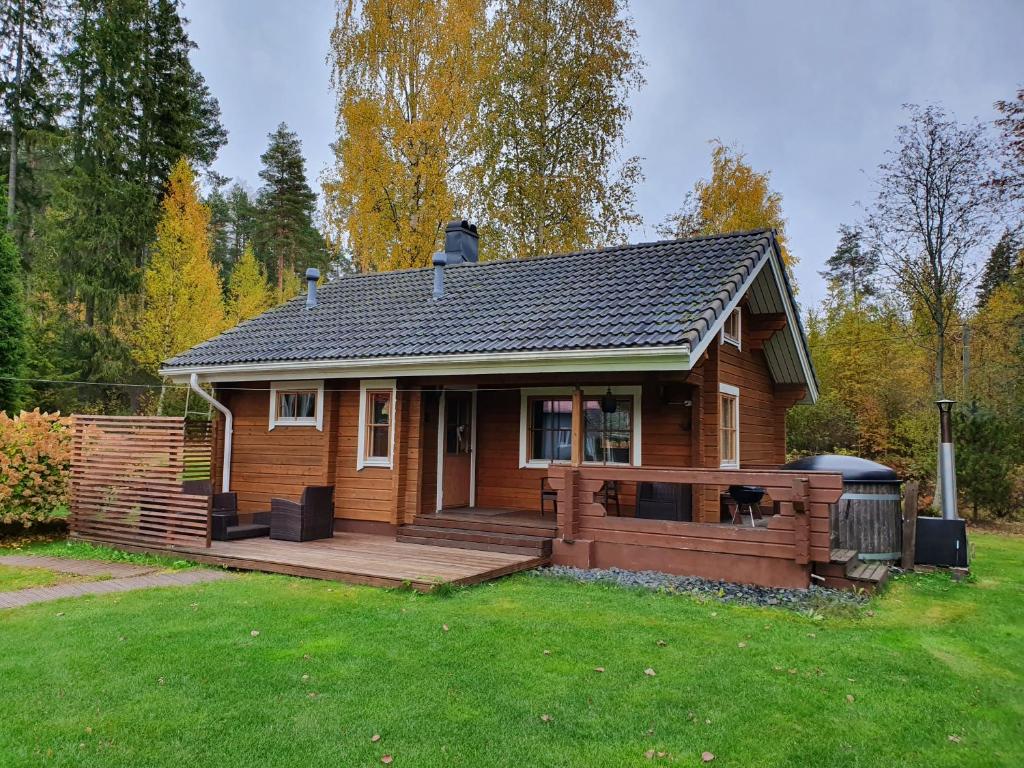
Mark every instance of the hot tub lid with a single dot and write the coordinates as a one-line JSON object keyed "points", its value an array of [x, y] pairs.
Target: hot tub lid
{"points": [[853, 468]]}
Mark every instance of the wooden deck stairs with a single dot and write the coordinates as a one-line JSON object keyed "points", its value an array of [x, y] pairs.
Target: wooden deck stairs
{"points": [[505, 534], [847, 571]]}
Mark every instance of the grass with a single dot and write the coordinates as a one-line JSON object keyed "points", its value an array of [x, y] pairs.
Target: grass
{"points": [[83, 550], [931, 674], [14, 577]]}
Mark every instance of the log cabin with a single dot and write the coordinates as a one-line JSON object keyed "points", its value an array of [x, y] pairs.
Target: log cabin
{"points": [[594, 408]]}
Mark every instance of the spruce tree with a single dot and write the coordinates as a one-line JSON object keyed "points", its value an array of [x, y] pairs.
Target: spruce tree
{"points": [[1000, 265], [288, 239], [12, 320]]}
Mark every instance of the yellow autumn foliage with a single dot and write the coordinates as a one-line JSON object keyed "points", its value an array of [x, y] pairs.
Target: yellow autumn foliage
{"points": [[248, 290], [404, 75], [182, 303]]}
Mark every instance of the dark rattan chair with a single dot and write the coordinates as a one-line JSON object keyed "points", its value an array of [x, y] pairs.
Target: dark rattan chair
{"points": [[310, 518], [224, 523]]}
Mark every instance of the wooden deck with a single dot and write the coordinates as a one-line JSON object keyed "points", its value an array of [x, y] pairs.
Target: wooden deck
{"points": [[378, 561]]}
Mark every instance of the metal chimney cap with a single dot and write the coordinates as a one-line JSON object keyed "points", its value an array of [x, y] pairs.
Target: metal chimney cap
{"points": [[312, 273]]}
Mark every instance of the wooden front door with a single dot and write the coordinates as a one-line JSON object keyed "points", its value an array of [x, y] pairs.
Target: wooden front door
{"points": [[458, 449]]}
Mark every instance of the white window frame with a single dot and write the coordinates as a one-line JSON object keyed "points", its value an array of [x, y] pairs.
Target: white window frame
{"points": [[297, 385], [375, 385], [738, 340], [734, 392], [636, 392]]}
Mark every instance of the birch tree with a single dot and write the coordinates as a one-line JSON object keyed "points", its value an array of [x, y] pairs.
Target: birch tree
{"points": [[934, 211]]}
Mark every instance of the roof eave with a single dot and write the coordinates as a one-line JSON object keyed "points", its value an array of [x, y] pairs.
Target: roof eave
{"points": [[554, 361]]}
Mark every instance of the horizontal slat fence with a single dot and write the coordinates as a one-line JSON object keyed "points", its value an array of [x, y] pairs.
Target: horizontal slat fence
{"points": [[126, 482]]}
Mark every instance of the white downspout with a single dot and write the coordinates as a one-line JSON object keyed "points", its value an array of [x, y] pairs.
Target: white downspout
{"points": [[193, 383]]}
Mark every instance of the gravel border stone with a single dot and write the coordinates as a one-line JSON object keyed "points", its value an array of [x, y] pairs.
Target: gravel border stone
{"points": [[813, 598]]}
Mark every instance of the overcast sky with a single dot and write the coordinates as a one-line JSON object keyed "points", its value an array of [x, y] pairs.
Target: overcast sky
{"points": [[811, 91]]}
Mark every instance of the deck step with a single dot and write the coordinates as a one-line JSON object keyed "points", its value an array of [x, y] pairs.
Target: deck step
{"points": [[480, 546], [473, 538], [544, 529]]}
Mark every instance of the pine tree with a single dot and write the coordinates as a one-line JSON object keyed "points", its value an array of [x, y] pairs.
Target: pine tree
{"points": [[248, 290], [735, 198], [1005, 256], [851, 270], [12, 321], [287, 237], [182, 301]]}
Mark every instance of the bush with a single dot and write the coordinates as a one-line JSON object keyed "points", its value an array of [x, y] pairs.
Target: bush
{"points": [[35, 463]]}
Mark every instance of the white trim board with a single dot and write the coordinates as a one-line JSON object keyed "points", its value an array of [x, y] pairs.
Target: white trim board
{"points": [[634, 391], [362, 460], [732, 391]]}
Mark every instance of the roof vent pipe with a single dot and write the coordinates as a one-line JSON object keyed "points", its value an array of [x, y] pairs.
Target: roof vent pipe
{"points": [[440, 259], [312, 275]]}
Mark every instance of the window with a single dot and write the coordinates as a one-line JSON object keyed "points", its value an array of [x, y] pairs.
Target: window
{"points": [[458, 425], [296, 404], [550, 428], [729, 425], [731, 328], [608, 438], [376, 423]]}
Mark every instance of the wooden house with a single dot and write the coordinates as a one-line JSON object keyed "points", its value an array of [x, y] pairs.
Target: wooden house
{"points": [[589, 407]]}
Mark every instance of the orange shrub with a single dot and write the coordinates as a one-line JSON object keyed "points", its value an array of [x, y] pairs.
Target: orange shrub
{"points": [[35, 463]]}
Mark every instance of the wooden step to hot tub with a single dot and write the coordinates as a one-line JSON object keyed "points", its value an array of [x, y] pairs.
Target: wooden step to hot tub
{"points": [[846, 571]]}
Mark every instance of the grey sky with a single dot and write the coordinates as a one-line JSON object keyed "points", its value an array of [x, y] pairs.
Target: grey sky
{"points": [[811, 91]]}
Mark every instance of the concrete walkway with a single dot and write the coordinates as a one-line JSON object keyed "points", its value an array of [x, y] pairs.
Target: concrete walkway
{"points": [[124, 578]]}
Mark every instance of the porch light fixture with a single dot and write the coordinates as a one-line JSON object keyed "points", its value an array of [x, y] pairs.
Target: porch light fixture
{"points": [[608, 402]]}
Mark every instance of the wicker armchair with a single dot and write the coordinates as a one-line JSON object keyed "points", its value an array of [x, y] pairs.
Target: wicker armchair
{"points": [[224, 523], [310, 518]]}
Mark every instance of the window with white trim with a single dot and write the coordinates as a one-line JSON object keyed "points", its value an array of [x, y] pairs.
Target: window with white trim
{"points": [[545, 433], [296, 404], [376, 423], [729, 426], [732, 327]]}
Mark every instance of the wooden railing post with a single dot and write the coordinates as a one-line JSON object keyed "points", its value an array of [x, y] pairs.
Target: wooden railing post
{"points": [[568, 505], [802, 523]]}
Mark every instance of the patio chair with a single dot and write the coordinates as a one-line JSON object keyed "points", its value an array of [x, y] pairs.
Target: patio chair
{"points": [[224, 523], [310, 518], [547, 493]]}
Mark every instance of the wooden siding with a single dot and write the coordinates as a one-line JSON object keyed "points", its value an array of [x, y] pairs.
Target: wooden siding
{"points": [[500, 482], [270, 463]]}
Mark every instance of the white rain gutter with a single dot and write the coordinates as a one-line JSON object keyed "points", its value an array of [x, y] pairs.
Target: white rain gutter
{"points": [[193, 382]]}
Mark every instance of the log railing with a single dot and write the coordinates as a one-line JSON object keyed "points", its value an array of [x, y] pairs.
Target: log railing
{"points": [[799, 531], [126, 482]]}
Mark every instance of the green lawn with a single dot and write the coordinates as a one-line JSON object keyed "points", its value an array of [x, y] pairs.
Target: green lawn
{"points": [[16, 577], [176, 677]]}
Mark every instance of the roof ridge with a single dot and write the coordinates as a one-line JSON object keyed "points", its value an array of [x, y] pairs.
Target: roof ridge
{"points": [[546, 256]]}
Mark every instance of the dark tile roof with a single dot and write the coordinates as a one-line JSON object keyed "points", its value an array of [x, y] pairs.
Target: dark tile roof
{"points": [[644, 295]]}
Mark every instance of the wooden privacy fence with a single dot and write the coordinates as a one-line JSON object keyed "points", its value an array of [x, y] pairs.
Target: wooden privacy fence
{"points": [[126, 482], [798, 533]]}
